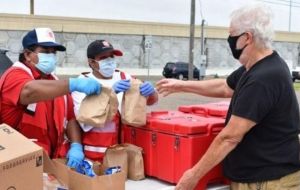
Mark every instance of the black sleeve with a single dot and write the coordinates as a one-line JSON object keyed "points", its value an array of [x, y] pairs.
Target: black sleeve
{"points": [[234, 77], [254, 101]]}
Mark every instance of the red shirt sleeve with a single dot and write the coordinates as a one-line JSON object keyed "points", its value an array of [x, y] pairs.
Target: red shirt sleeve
{"points": [[13, 85], [11, 109], [70, 108]]}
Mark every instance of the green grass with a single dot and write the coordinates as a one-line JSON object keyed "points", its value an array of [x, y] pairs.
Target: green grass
{"points": [[297, 86]]}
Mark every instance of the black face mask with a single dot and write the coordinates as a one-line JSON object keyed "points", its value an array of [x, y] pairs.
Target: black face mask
{"points": [[232, 40]]}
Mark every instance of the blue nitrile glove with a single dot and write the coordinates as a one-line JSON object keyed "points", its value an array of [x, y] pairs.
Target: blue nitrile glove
{"points": [[86, 85], [146, 89], [86, 168], [75, 155], [121, 86]]}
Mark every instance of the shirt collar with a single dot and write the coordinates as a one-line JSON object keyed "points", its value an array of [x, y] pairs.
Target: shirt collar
{"points": [[36, 74]]}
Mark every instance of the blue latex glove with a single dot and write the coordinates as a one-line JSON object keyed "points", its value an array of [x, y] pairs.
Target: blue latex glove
{"points": [[146, 89], [86, 85], [86, 168], [121, 86], [75, 155]]}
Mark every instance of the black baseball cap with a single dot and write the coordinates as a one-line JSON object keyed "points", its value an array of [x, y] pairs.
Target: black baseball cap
{"points": [[101, 46]]}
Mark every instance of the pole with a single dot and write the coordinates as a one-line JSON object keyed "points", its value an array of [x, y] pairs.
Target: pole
{"points": [[31, 7], [148, 47], [202, 37], [290, 16], [202, 54], [192, 36], [148, 60]]}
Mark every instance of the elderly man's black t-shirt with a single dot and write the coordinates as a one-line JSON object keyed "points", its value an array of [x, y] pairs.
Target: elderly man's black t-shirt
{"points": [[264, 94]]}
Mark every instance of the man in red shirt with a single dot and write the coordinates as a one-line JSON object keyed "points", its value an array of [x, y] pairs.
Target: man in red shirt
{"points": [[38, 105]]}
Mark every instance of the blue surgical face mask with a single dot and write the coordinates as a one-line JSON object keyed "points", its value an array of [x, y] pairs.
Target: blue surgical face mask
{"points": [[107, 66], [47, 62]]}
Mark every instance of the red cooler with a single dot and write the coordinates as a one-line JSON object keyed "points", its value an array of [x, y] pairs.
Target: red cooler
{"points": [[216, 109], [174, 142]]}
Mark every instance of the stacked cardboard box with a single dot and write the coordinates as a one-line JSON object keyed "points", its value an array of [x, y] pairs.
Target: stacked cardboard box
{"points": [[21, 161]]}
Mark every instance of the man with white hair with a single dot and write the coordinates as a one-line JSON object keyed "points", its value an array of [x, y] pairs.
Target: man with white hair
{"points": [[259, 146]]}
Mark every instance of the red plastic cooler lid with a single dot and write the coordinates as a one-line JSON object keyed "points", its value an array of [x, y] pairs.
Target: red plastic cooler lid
{"points": [[176, 122], [218, 109]]}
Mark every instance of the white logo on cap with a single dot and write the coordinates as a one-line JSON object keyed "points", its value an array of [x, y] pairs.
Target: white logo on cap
{"points": [[44, 35], [105, 43]]}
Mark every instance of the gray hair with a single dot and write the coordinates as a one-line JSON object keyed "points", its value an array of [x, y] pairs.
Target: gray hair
{"points": [[256, 19]]}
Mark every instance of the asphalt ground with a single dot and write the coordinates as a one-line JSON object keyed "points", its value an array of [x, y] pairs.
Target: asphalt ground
{"points": [[173, 101]]}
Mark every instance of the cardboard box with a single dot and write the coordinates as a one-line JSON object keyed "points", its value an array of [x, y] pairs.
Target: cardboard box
{"points": [[21, 161], [77, 181]]}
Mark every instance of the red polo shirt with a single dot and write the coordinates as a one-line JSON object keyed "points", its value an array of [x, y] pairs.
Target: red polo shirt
{"points": [[11, 110]]}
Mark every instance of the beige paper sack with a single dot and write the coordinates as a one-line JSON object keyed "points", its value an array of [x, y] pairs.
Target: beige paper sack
{"points": [[135, 161], [116, 155], [95, 110], [113, 106], [133, 111]]}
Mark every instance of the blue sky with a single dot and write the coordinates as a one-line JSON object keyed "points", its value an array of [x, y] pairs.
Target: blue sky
{"points": [[215, 12]]}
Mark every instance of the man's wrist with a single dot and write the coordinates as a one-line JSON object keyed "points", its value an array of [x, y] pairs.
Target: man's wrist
{"points": [[70, 84], [76, 145], [180, 85]]}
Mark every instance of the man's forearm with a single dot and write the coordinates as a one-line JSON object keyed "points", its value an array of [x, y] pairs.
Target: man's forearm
{"points": [[218, 150], [210, 88], [39, 90], [152, 99], [74, 131]]}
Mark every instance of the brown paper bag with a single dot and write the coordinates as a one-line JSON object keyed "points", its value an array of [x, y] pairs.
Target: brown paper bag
{"points": [[95, 110], [135, 162], [116, 155], [113, 106], [133, 110]]}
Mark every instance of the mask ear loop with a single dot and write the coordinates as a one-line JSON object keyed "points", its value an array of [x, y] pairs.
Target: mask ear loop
{"points": [[245, 44]]}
